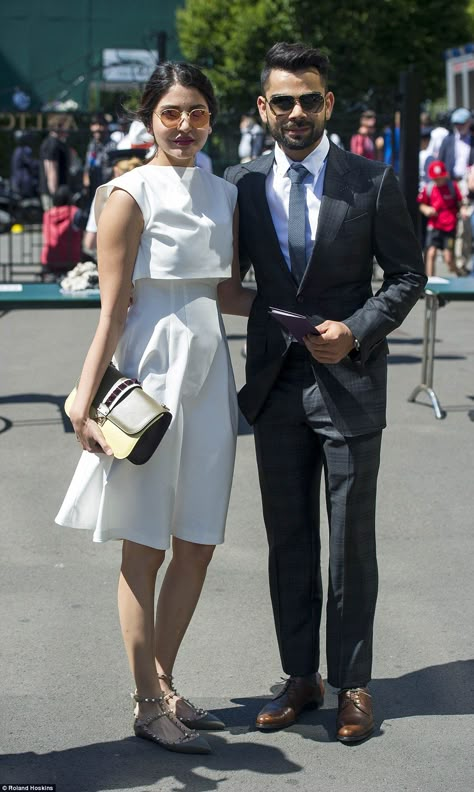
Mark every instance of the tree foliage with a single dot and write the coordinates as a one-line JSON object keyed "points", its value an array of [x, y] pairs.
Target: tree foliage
{"points": [[369, 43]]}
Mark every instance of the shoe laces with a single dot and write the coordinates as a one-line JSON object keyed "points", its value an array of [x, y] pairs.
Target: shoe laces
{"points": [[288, 682], [354, 695]]}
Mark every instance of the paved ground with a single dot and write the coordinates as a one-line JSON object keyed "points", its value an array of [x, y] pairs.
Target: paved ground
{"points": [[65, 713]]}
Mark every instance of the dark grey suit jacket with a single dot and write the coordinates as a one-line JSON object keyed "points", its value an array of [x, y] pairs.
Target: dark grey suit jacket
{"points": [[363, 214]]}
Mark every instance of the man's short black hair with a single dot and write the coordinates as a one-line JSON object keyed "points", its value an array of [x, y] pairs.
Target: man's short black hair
{"points": [[292, 58]]}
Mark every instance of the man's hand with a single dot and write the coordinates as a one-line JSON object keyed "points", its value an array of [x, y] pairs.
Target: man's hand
{"points": [[334, 343]]}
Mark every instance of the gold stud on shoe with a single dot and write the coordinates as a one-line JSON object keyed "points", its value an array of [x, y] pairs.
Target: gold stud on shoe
{"points": [[201, 719], [190, 743]]}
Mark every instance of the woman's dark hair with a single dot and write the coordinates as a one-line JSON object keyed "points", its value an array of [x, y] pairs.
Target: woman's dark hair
{"points": [[293, 58], [164, 77], [62, 196]]}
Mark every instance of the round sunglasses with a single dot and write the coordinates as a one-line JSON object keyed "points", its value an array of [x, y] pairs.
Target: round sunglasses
{"points": [[309, 103], [171, 117]]}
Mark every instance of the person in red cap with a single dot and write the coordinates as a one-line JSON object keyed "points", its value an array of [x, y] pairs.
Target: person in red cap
{"points": [[439, 201]]}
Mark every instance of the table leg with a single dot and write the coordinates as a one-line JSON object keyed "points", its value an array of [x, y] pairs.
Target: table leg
{"points": [[427, 365]]}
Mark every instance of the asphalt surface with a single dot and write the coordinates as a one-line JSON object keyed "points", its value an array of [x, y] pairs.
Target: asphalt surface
{"points": [[65, 714]]}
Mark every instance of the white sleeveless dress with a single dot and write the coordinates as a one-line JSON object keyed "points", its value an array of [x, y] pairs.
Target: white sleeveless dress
{"points": [[174, 343]]}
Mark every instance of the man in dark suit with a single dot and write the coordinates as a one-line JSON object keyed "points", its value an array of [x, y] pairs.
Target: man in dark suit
{"points": [[311, 236]]}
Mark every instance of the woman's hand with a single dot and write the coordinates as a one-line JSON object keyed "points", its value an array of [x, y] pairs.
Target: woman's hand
{"points": [[89, 435]]}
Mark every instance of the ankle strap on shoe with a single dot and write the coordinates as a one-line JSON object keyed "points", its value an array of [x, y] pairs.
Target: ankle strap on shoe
{"points": [[168, 678], [147, 699]]}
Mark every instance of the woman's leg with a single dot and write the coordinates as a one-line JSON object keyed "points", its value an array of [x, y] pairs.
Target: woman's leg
{"points": [[136, 592], [179, 595]]}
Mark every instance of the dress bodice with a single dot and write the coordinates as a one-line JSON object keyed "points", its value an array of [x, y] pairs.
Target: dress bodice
{"points": [[187, 215]]}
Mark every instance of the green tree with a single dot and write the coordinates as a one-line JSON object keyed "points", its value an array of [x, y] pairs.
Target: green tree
{"points": [[368, 43], [229, 38]]}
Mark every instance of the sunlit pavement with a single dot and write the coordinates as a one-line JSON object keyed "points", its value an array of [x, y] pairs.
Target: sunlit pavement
{"points": [[65, 714]]}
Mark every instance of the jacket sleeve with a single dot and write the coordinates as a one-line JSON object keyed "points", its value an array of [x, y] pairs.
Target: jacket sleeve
{"points": [[233, 174], [398, 253]]}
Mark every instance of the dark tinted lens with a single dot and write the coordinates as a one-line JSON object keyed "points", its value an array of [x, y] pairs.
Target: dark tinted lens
{"points": [[312, 102], [282, 104]]}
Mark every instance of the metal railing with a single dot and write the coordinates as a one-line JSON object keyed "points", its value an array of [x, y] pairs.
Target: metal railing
{"points": [[20, 254], [21, 243]]}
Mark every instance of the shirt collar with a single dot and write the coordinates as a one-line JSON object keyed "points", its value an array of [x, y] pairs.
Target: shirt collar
{"points": [[313, 162]]}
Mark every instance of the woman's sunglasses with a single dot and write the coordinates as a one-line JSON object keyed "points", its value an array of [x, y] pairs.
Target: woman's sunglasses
{"points": [[172, 117], [309, 103]]}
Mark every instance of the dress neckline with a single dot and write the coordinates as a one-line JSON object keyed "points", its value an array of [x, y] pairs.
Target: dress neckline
{"points": [[173, 167]]}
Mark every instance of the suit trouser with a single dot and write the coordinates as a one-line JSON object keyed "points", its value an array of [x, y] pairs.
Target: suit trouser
{"points": [[295, 440]]}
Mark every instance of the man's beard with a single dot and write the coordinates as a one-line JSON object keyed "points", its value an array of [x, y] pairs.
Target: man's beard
{"points": [[312, 136]]}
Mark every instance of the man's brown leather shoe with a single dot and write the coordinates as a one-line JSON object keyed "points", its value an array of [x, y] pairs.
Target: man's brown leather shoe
{"points": [[355, 718], [298, 694]]}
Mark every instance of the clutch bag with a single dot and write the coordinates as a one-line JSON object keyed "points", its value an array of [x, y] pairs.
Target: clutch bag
{"points": [[132, 422]]}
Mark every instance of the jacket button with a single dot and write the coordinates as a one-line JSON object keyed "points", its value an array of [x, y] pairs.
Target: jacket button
{"points": [[299, 299]]}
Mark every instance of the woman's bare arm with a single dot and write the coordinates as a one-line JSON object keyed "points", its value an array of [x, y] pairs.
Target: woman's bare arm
{"points": [[233, 297], [120, 227]]}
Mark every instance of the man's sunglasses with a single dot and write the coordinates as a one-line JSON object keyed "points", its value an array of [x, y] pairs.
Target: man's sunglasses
{"points": [[309, 103], [171, 117]]}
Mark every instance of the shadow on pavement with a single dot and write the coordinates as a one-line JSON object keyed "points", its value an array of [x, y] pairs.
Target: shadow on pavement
{"points": [[132, 764], [409, 341], [38, 398], [394, 359], [436, 690], [58, 401]]}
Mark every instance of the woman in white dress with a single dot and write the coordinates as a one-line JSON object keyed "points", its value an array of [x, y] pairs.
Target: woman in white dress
{"points": [[169, 229]]}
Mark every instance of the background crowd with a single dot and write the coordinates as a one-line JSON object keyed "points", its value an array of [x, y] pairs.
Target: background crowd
{"points": [[54, 185]]}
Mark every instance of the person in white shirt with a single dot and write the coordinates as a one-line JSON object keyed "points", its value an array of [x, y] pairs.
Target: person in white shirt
{"points": [[252, 137], [457, 152]]}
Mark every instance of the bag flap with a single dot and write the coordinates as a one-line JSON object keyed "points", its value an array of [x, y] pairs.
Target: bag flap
{"points": [[135, 412]]}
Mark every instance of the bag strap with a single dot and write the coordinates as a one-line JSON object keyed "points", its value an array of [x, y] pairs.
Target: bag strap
{"points": [[116, 393]]}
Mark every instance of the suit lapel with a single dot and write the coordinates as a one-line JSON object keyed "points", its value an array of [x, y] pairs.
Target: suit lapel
{"points": [[258, 196], [337, 197]]}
